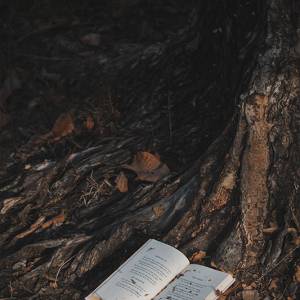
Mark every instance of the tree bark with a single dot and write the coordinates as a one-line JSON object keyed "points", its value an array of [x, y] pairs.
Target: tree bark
{"points": [[236, 199]]}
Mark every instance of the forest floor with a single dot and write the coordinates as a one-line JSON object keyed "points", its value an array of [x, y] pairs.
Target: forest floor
{"points": [[56, 93], [52, 58]]}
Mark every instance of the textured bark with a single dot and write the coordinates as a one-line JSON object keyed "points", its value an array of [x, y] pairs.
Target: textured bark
{"points": [[237, 201]]}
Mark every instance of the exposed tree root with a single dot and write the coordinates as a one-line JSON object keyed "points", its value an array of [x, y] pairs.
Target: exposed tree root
{"points": [[238, 202]]}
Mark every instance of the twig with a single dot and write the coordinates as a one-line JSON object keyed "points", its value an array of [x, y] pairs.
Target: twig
{"points": [[59, 269]]}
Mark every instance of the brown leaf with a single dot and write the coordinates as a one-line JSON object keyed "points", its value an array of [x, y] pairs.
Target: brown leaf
{"points": [[213, 264], [89, 123], [40, 223], [292, 230], [274, 284], [63, 126], [32, 228], [297, 274], [122, 183], [59, 219], [198, 256], [158, 210], [94, 297], [91, 39], [296, 240], [148, 167], [9, 203]]}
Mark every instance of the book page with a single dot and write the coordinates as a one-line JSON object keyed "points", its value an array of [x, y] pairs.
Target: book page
{"points": [[196, 282], [143, 275]]}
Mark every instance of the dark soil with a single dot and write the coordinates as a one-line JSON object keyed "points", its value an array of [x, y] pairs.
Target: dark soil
{"points": [[41, 46]]}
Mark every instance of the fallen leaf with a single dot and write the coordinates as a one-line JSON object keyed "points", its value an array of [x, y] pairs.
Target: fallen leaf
{"points": [[158, 210], [297, 274], [89, 123], [91, 39], [292, 230], [122, 183], [148, 167], [274, 284], [94, 297], [40, 223], [213, 264], [296, 241], [197, 256], [32, 228], [59, 219], [63, 126], [9, 203]]}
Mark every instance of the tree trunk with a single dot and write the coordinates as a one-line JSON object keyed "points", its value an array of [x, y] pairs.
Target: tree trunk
{"points": [[235, 195]]}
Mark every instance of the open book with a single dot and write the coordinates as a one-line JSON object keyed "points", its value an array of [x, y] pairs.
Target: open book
{"points": [[158, 271]]}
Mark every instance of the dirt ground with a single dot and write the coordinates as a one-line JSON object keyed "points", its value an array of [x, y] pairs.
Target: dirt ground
{"points": [[53, 55], [65, 84]]}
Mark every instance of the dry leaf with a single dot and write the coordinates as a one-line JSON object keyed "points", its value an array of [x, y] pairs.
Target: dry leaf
{"points": [[89, 123], [274, 284], [59, 219], [91, 39], [148, 167], [292, 230], [296, 241], [297, 274], [9, 203], [122, 183], [63, 126], [213, 264], [40, 223], [32, 228], [197, 256], [158, 210], [93, 297]]}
